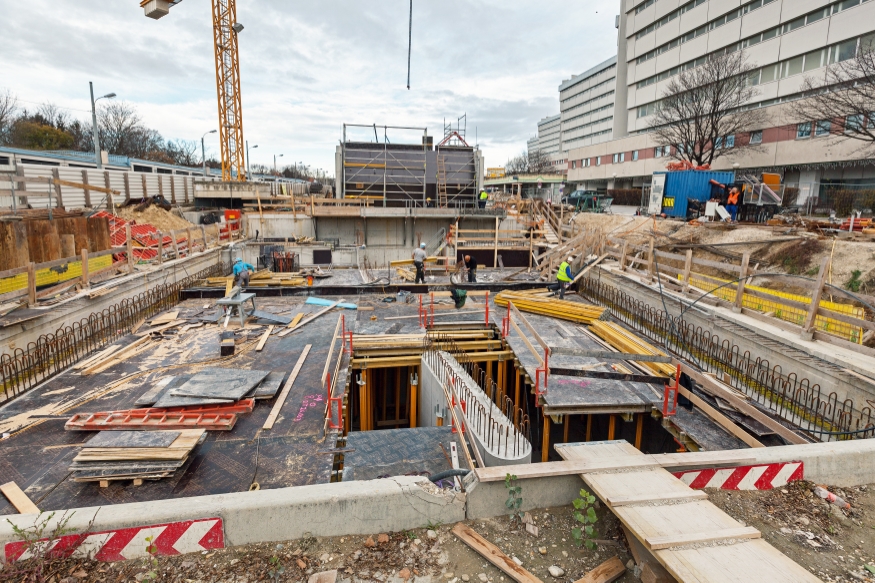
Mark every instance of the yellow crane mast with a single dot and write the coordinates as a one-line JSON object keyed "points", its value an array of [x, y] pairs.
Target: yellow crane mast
{"points": [[225, 31]]}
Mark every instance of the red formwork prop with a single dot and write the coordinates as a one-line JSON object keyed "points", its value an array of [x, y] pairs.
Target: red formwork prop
{"points": [[175, 538], [756, 477]]}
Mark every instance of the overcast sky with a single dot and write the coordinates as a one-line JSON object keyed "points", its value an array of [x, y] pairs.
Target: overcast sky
{"points": [[309, 66]]}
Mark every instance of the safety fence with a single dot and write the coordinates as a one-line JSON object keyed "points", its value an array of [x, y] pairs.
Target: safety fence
{"points": [[841, 323], [24, 368], [795, 400]]}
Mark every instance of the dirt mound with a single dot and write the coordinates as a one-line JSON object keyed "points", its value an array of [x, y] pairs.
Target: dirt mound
{"points": [[162, 220]]}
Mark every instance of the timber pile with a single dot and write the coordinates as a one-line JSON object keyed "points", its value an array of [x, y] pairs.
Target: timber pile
{"points": [[628, 343], [406, 274], [265, 278], [134, 455], [540, 302]]}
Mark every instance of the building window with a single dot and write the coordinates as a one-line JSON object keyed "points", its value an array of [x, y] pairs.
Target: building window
{"points": [[574, 164], [635, 155], [622, 156], [729, 142], [598, 160], [854, 123], [616, 158], [756, 137], [803, 130], [822, 128]]}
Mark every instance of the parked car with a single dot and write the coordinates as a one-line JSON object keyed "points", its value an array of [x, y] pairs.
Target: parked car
{"points": [[588, 201]]}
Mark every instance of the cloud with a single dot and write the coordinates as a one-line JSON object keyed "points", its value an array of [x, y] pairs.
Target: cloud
{"points": [[308, 66]]}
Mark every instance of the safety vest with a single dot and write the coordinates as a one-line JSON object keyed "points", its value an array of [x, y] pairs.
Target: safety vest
{"points": [[563, 272], [733, 198], [483, 195]]}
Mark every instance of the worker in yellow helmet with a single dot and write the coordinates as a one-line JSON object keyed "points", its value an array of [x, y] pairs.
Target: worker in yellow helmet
{"points": [[565, 276]]}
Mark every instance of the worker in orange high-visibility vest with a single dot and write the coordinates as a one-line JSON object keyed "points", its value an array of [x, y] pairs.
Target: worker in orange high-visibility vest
{"points": [[732, 204]]}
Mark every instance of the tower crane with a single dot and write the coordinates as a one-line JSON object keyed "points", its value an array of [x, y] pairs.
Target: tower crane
{"points": [[225, 31]]}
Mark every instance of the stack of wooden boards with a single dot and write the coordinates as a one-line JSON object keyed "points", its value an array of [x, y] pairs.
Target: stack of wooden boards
{"points": [[629, 343], [134, 455], [209, 400], [540, 302], [265, 278]]}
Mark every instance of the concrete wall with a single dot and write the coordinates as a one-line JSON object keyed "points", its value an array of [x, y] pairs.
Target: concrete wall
{"points": [[19, 335], [340, 508], [840, 464]]}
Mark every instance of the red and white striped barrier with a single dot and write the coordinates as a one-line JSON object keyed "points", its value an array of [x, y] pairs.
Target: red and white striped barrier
{"points": [[759, 477], [175, 538]]}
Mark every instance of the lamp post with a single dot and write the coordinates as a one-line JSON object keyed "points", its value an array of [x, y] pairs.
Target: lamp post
{"points": [[97, 155], [204, 151], [275, 156], [248, 171]]}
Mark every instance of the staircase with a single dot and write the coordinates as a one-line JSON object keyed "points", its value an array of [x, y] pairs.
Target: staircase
{"points": [[442, 182]]}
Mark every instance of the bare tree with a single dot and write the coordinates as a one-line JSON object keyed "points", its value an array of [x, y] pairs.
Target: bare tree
{"points": [[8, 113], [183, 152], [702, 110], [517, 165], [842, 103], [539, 162]]}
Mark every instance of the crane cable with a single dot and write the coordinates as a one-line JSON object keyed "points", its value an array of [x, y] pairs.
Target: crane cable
{"points": [[409, 43]]}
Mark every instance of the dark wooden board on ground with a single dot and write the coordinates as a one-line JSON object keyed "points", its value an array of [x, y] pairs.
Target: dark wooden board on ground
{"points": [[269, 387], [133, 439], [221, 383]]}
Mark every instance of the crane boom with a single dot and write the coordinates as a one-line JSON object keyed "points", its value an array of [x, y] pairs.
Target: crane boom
{"points": [[225, 31]]}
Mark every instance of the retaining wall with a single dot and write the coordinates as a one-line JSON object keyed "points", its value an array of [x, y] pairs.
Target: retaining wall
{"points": [[403, 503]]}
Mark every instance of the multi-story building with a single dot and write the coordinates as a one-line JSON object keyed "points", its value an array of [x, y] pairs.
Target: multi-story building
{"points": [[786, 40], [586, 105], [549, 130]]}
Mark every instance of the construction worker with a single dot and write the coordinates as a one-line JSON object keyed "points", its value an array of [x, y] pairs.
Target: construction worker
{"points": [[484, 196], [732, 204], [242, 270], [565, 276], [419, 256], [471, 266]]}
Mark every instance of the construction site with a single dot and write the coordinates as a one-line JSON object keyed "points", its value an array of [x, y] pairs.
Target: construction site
{"points": [[403, 377]]}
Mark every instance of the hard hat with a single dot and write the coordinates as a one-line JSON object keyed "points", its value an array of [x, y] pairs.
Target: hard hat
{"points": [[238, 260], [422, 245], [570, 259]]}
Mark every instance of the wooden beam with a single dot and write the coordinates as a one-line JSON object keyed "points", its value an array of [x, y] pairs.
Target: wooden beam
{"points": [[274, 413], [721, 419], [528, 326], [19, 499], [493, 554], [310, 319], [666, 542], [607, 355], [607, 572], [264, 339], [586, 269], [739, 292]]}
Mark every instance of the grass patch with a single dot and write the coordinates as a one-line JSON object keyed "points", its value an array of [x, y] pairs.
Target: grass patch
{"points": [[855, 282]]}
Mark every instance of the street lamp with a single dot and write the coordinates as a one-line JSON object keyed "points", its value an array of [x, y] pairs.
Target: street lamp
{"points": [[204, 151], [94, 123], [248, 171], [275, 156]]}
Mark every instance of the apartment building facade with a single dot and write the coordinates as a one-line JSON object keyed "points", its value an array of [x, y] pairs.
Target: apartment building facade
{"points": [[787, 40]]}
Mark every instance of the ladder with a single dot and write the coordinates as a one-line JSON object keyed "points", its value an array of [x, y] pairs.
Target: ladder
{"points": [[442, 182]]}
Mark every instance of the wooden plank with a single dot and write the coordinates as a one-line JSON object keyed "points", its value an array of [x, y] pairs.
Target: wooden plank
{"points": [[619, 460], [264, 339], [117, 357], [18, 498], [609, 571], [161, 328], [721, 419], [664, 542], [586, 269], [527, 343], [274, 413], [526, 323], [605, 355], [649, 499], [493, 554], [310, 319], [164, 318], [714, 387]]}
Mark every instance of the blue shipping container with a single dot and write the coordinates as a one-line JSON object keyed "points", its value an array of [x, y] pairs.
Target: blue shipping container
{"points": [[684, 185]]}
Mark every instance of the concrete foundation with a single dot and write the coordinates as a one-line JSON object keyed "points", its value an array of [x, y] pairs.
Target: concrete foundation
{"points": [[402, 503]]}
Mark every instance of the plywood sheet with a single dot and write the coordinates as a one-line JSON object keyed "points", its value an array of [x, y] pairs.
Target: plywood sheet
{"points": [[221, 383], [13, 245], [98, 234], [132, 439], [269, 387]]}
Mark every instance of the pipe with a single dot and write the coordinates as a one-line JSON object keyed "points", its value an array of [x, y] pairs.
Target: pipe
{"points": [[449, 474]]}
